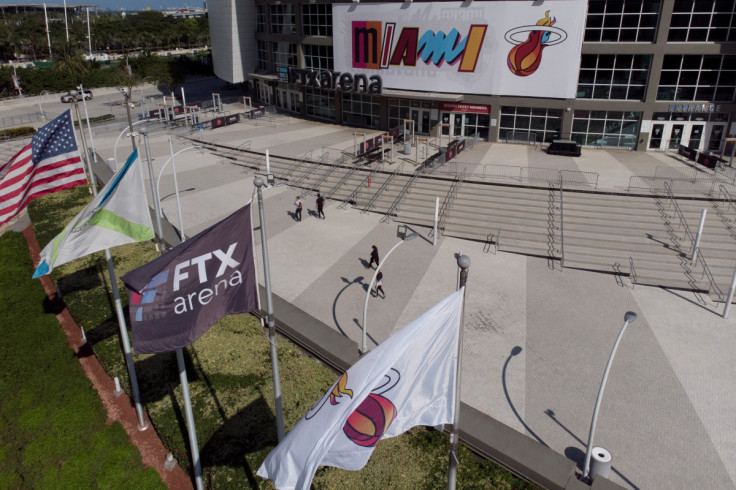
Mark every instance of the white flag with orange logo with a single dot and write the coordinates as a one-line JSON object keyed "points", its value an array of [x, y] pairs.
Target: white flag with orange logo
{"points": [[406, 381]]}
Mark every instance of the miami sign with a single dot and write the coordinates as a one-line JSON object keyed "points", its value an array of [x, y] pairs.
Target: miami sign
{"points": [[494, 48]]}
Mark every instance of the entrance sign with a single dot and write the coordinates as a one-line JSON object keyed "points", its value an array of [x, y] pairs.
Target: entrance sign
{"points": [[469, 108], [529, 49]]}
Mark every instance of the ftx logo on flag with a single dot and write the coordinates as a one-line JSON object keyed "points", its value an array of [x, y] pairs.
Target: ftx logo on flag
{"points": [[176, 298]]}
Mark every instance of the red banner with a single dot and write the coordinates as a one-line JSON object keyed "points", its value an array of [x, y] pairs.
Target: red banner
{"points": [[471, 108]]}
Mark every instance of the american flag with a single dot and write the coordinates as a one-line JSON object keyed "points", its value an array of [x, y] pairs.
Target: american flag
{"points": [[49, 163]]}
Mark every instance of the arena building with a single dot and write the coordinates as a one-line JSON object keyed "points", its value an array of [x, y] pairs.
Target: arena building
{"points": [[643, 75]]}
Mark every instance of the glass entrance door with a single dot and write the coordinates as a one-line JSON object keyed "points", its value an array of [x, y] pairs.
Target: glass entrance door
{"points": [[696, 136], [675, 136], [655, 140], [716, 137], [421, 120]]}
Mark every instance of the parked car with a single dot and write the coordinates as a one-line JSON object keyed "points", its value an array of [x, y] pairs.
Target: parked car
{"points": [[68, 97]]}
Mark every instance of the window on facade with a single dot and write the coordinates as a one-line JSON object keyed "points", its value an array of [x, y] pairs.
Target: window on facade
{"points": [[360, 110], [262, 56], [699, 21], [527, 124], [709, 78], [605, 128], [317, 19], [398, 112], [613, 76], [318, 57], [320, 103], [283, 19], [621, 21], [284, 54], [261, 19]]}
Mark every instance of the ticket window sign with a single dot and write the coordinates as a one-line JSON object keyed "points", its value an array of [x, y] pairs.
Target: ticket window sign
{"points": [[469, 108]]}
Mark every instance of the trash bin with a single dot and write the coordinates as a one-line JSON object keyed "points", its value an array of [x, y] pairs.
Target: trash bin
{"points": [[407, 148], [600, 463]]}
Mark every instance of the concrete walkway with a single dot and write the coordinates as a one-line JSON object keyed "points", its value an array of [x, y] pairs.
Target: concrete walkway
{"points": [[536, 339]]}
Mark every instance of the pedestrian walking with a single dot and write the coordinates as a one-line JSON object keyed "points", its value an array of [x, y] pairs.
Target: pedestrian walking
{"points": [[374, 257], [320, 206], [298, 204], [379, 285]]}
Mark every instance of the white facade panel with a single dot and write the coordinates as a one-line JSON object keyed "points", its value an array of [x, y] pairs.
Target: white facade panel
{"points": [[232, 31], [529, 49]]}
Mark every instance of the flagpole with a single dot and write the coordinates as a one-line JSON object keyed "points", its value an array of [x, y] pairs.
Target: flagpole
{"points": [[89, 127], [84, 142], [154, 192], [463, 263], [259, 183], [142, 424], [193, 447]]}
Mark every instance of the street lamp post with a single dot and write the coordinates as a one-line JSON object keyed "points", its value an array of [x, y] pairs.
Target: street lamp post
{"points": [[404, 238], [126, 93], [629, 317], [131, 133], [176, 183]]}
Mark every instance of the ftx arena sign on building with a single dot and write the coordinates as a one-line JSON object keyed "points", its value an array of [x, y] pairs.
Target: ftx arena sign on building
{"points": [[529, 49]]}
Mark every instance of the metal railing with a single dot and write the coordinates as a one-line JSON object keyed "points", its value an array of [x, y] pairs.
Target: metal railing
{"points": [[302, 161], [330, 167], [562, 230], [520, 174], [233, 152], [307, 172], [713, 288], [348, 174], [702, 184], [401, 195], [728, 201], [353, 195], [725, 174], [489, 241], [681, 217], [447, 204], [632, 271], [381, 189], [526, 137]]}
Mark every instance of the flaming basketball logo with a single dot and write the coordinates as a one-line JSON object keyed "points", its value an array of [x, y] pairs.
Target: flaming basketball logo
{"points": [[525, 57], [370, 421]]}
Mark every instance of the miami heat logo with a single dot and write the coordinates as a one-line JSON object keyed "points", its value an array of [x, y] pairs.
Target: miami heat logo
{"points": [[370, 421], [525, 57]]}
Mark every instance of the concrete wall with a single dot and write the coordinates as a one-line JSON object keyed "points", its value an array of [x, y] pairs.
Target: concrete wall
{"points": [[234, 48]]}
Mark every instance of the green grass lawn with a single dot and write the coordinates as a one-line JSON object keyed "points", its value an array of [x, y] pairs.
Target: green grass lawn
{"points": [[231, 386], [52, 423]]}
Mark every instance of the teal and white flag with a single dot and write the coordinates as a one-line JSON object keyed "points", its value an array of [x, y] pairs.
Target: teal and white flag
{"points": [[116, 216]]}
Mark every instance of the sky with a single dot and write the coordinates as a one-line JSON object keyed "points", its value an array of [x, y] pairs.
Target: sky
{"points": [[115, 4]]}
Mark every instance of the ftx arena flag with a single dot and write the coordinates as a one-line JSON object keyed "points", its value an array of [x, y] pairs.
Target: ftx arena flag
{"points": [[176, 298], [406, 381], [49, 163], [116, 216]]}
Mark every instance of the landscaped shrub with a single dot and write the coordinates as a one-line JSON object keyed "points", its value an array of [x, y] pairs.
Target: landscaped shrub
{"points": [[16, 132]]}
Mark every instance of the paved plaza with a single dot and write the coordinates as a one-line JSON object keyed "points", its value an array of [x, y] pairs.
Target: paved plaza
{"points": [[537, 338]]}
